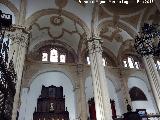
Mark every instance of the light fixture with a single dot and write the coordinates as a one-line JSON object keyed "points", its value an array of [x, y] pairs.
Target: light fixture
{"points": [[148, 40]]}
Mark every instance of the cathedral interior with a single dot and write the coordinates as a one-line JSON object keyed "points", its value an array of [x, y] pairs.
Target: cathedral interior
{"points": [[77, 60]]}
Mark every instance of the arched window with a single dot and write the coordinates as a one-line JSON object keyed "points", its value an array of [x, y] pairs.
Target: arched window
{"points": [[103, 60], [158, 64], [53, 55], [130, 62], [137, 94], [106, 60], [44, 56], [56, 54]]}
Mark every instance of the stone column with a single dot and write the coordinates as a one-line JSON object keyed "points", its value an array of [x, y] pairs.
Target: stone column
{"points": [[125, 90], [76, 90], [153, 77], [83, 112], [19, 42], [101, 95]]}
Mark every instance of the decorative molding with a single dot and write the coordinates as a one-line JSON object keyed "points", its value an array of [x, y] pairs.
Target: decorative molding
{"points": [[35, 16], [56, 20], [115, 35], [102, 14], [120, 25], [123, 10], [55, 37], [133, 20], [18, 35]]}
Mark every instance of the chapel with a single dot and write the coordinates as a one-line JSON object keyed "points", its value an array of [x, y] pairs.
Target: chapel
{"points": [[79, 59]]}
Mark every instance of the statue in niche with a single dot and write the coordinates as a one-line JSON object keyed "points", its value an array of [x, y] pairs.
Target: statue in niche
{"points": [[51, 107]]}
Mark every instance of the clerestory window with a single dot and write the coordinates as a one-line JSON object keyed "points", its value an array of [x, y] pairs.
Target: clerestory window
{"points": [[56, 55], [158, 64], [131, 63], [103, 61]]}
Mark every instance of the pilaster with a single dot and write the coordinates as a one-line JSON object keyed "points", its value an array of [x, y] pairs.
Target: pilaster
{"points": [[83, 112]]}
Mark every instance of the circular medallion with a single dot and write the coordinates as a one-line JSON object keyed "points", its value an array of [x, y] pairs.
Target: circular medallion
{"points": [[56, 20]]}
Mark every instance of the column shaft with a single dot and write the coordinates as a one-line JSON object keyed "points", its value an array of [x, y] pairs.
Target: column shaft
{"points": [[154, 78], [101, 95], [21, 39], [82, 92]]}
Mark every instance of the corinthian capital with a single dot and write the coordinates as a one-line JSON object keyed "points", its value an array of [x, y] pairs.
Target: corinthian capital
{"points": [[95, 44], [18, 35]]}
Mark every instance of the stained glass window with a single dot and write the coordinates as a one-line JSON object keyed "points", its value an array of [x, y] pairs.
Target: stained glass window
{"points": [[103, 60], [53, 55], [63, 58], [131, 63], [158, 65], [44, 57]]}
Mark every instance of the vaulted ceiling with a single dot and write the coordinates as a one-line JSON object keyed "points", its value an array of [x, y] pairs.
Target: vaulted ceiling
{"points": [[67, 21]]}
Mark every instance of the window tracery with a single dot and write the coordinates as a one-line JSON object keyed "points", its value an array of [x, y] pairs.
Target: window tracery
{"points": [[103, 60], [53, 55], [158, 64], [131, 62], [44, 57], [106, 60], [56, 54]]}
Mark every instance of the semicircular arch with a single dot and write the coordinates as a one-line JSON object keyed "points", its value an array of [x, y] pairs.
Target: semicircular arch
{"points": [[35, 16]]}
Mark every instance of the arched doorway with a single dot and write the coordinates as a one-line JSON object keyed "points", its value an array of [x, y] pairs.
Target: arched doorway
{"points": [[29, 95], [140, 95]]}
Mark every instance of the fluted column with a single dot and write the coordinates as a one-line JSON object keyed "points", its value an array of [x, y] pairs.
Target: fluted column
{"points": [[101, 95], [19, 42], [83, 113], [153, 77]]}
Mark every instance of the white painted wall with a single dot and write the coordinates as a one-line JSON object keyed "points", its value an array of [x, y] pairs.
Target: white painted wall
{"points": [[148, 105], [112, 93], [29, 95]]}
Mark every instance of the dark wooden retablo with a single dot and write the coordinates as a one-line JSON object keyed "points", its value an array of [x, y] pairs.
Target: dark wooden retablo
{"points": [[51, 104]]}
